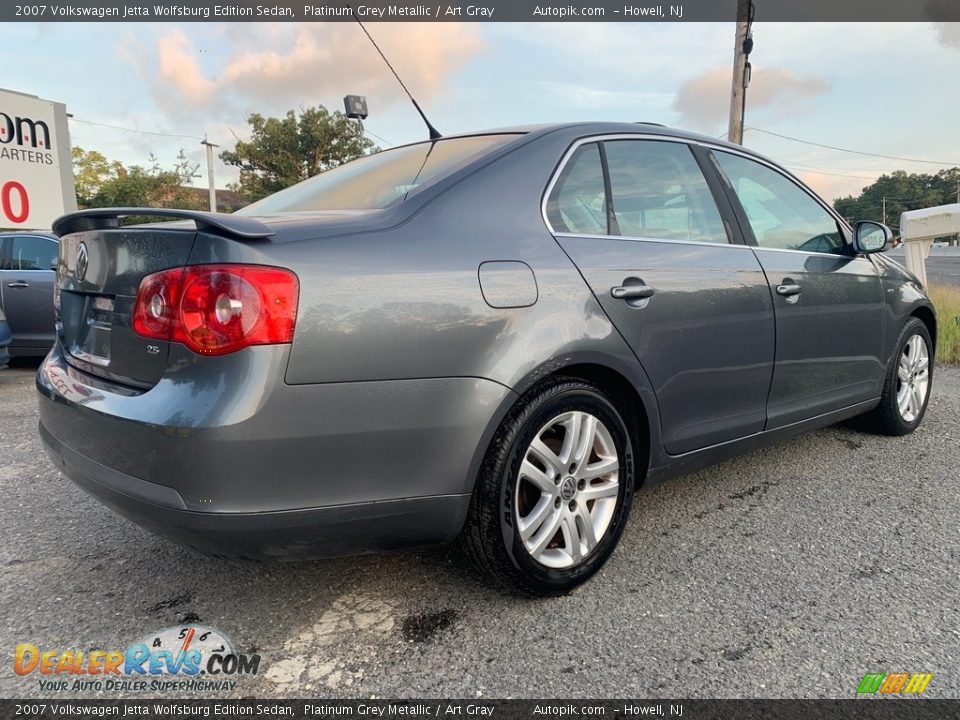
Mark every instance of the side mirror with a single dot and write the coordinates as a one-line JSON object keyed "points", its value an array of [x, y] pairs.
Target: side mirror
{"points": [[871, 237]]}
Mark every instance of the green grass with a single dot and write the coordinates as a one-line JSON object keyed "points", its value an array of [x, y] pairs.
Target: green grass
{"points": [[946, 299]]}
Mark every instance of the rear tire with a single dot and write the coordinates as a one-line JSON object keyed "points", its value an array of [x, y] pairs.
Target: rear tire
{"points": [[906, 389], [554, 491]]}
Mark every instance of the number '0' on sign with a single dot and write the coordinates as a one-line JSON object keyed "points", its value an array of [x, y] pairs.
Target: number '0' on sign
{"points": [[14, 202]]}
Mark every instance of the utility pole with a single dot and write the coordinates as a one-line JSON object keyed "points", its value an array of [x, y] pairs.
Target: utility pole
{"points": [[213, 187], [884, 211], [741, 70]]}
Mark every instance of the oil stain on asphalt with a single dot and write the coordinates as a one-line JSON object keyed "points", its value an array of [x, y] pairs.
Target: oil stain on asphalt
{"points": [[423, 628]]}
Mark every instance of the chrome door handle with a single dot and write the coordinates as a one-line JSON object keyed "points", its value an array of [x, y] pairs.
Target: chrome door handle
{"points": [[18, 284], [631, 292], [788, 290]]}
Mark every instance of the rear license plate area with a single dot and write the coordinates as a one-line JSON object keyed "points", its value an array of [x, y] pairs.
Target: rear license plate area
{"points": [[91, 342]]}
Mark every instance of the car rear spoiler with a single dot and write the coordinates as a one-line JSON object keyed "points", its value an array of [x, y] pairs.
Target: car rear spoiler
{"points": [[238, 226]]}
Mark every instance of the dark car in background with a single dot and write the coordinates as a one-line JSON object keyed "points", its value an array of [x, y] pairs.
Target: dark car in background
{"points": [[28, 263], [498, 336]]}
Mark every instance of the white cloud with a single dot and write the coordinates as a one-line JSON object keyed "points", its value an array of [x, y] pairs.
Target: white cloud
{"points": [[600, 100], [287, 66], [832, 186], [703, 102], [948, 33]]}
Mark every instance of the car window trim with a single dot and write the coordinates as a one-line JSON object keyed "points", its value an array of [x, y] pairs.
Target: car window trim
{"points": [[731, 241], [633, 238], [717, 184], [9, 255], [749, 235], [568, 168], [599, 138], [613, 224]]}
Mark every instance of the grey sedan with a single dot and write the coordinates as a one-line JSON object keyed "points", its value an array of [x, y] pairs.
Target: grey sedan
{"points": [[496, 336], [27, 269]]}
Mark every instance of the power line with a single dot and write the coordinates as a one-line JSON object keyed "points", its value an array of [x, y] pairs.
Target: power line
{"points": [[829, 172], [141, 132], [370, 132], [189, 137], [854, 152]]}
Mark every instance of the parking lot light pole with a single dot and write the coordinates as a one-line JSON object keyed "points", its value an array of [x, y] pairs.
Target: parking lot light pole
{"points": [[355, 108], [213, 187]]}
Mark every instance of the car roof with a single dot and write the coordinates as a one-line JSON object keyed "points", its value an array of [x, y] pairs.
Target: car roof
{"points": [[589, 126], [586, 128], [21, 233]]}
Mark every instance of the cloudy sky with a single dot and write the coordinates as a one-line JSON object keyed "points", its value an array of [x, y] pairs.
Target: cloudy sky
{"points": [[888, 89]]}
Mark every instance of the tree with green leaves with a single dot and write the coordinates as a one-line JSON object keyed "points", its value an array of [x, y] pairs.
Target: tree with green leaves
{"points": [[903, 191], [284, 151], [107, 183], [91, 170]]}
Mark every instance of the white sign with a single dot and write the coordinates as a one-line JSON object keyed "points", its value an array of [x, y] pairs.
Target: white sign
{"points": [[36, 175]]}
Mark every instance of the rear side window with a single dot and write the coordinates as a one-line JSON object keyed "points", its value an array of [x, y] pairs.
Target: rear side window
{"points": [[380, 180], [782, 215], [659, 192], [578, 202], [31, 252]]}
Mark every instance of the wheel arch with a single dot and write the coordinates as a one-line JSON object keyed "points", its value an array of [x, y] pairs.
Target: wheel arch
{"points": [[928, 317], [627, 387]]}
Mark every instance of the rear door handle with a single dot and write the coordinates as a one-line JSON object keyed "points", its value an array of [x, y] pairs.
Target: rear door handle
{"points": [[18, 284], [788, 289], [631, 292]]}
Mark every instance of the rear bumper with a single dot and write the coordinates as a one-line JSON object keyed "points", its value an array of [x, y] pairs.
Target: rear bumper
{"points": [[309, 533], [264, 469]]}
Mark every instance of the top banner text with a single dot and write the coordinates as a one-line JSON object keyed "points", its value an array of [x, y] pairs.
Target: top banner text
{"points": [[482, 11]]}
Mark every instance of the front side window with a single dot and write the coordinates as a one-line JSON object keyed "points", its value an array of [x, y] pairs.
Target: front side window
{"points": [[32, 252], [659, 192], [578, 202], [781, 214]]}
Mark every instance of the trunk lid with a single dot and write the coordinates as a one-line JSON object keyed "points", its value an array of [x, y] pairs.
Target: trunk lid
{"points": [[99, 271], [97, 294], [98, 274]]}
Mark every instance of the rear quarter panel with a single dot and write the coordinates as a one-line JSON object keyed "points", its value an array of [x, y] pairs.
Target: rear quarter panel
{"points": [[407, 302]]}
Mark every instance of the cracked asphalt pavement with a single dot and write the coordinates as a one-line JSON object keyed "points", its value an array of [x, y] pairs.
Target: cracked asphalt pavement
{"points": [[789, 572]]}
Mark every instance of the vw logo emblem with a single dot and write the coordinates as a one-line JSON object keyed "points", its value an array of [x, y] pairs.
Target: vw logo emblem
{"points": [[82, 261]]}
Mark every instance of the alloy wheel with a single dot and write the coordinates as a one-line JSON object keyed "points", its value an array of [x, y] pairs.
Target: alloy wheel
{"points": [[913, 378], [567, 490]]}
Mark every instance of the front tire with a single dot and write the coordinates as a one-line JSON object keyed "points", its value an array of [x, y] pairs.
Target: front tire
{"points": [[906, 389], [554, 491]]}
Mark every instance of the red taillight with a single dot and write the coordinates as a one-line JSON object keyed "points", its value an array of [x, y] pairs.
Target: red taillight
{"points": [[155, 312], [217, 309]]}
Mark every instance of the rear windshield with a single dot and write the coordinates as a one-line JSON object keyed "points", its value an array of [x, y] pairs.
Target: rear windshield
{"points": [[380, 180]]}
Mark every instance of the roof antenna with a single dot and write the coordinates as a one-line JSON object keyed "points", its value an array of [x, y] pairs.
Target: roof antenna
{"points": [[434, 133]]}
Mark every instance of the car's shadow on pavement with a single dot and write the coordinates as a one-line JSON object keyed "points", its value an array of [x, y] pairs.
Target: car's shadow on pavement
{"points": [[23, 363]]}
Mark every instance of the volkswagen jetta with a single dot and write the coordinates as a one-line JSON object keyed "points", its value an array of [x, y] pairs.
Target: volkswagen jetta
{"points": [[497, 335]]}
